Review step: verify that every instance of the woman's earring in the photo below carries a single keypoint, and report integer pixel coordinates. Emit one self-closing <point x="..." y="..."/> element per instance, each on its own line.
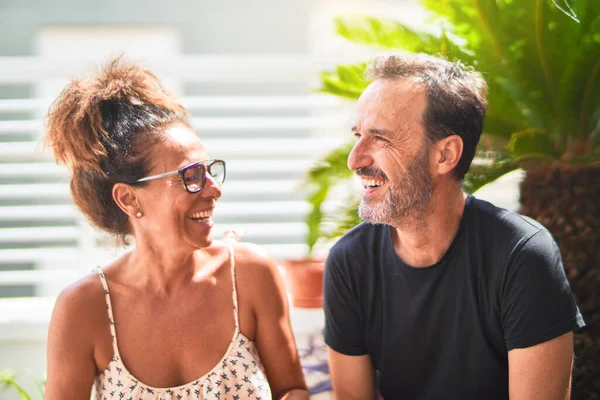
<point x="138" y="214"/>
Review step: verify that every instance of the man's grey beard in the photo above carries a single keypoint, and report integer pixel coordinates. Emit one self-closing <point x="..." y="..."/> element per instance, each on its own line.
<point x="406" y="198"/>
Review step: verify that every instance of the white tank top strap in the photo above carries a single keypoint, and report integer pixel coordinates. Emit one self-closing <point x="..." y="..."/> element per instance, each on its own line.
<point x="233" y="281"/>
<point x="230" y="238"/>
<point x="111" y="319"/>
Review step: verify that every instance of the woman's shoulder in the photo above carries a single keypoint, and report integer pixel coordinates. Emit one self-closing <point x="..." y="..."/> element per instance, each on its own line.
<point x="255" y="259"/>
<point x="82" y="295"/>
<point x="254" y="265"/>
<point x="262" y="280"/>
<point x="246" y="255"/>
<point x="80" y="310"/>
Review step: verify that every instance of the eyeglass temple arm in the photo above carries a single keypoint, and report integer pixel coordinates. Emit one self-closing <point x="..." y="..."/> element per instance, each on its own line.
<point x="149" y="178"/>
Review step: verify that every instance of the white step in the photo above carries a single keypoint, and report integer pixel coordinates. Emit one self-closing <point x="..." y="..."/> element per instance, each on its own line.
<point x="217" y="148"/>
<point x="230" y="188"/>
<point x="71" y="256"/>
<point x="40" y="169"/>
<point x="9" y="105"/>
<point x="65" y="233"/>
<point x="207" y="103"/>
<point x="209" y="68"/>
<point x="260" y="167"/>
<point x="262" y="230"/>
<point x="211" y="124"/>
<point x="39" y="277"/>
<point x="229" y="209"/>
<point x="266" y="123"/>
<point x="33" y="255"/>
<point x="39" y="234"/>
<point x="37" y="213"/>
<point x="37" y="190"/>
<point x="317" y="101"/>
<point x="20" y="126"/>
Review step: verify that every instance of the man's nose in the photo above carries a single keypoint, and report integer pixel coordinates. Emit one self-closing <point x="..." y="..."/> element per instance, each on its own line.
<point x="359" y="156"/>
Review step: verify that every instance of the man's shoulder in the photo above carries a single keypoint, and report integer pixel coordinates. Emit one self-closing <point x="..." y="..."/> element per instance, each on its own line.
<point x="501" y="224"/>
<point x="357" y="239"/>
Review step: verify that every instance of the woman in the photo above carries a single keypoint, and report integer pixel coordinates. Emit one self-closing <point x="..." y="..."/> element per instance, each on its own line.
<point x="182" y="316"/>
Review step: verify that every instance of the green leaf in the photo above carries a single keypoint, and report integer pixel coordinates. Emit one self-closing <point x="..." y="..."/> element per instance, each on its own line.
<point x="325" y="174"/>
<point x="383" y="34"/>
<point x="567" y="10"/>
<point x="332" y="167"/>
<point x="315" y="216"/>
<point x="531" y="143"/>
<point x="480" y="175"/>
<point x="8" y="381"/>
<point x="388" y="34"/>
<point x="347" y="81"/>
<point x="505" y="114"/>
<point x="345" y="218"/>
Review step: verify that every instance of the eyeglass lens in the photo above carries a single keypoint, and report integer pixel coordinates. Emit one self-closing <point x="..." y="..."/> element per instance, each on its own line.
<point x="195" y="176"/>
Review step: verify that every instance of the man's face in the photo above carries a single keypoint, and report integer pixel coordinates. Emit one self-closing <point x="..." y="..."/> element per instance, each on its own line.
<point x="391" y="154"/>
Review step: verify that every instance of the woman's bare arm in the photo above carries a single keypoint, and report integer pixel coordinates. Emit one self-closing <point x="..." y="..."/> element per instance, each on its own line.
<point x="71" y="366"/>
<point x="274" y="337"/>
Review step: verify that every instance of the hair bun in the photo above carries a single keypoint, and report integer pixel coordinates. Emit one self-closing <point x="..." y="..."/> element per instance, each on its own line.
<point x="75" y="126"/>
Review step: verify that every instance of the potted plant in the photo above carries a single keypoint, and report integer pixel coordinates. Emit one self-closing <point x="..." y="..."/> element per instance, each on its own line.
<point x="304" y="276"/>
<point x="303" y="279"/>
<point x="541" y="60"/>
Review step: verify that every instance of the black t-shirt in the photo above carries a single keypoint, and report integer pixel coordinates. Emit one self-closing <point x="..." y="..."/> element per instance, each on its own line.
<point x="444" y="331"/>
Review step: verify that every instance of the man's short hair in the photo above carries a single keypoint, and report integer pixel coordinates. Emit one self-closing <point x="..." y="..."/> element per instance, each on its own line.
<point x="456" y="97"/>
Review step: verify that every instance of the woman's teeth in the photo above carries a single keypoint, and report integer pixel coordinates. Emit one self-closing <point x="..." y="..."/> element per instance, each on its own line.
<point x="202" y="214"/>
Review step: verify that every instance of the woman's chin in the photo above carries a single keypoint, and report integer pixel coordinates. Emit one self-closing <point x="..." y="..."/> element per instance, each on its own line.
<point x="202" y="242"/>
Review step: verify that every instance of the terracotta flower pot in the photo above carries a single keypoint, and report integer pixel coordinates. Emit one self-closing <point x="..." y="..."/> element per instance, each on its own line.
<point x="304" y="281"/>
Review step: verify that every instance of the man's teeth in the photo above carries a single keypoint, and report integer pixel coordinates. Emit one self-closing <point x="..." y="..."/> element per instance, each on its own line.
<point x="372" y="182"/>
<point x="202" y="214"/>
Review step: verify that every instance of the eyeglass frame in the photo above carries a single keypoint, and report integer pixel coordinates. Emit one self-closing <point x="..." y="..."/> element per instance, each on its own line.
<point x="182" y="170"/>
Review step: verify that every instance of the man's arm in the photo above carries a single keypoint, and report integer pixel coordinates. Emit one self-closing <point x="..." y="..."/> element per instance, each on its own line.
<point x="539" y="315"/>
<point x="542" y="371"/>
<point x="352" y="376"/>
<point x="351" y="370"/>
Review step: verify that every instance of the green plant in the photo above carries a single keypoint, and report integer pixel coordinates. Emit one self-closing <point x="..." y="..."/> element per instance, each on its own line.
<point x="541" y="61"/>
<point x="542" y="66"/>
<point x="8" y="380"/>
<point x="320" y="179"/>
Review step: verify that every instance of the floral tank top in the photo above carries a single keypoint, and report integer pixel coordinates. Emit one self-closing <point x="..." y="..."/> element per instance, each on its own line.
<point x="239" y="375"/>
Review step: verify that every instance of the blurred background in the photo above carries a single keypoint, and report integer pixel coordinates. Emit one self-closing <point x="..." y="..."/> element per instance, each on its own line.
<point x="246" y="70"/>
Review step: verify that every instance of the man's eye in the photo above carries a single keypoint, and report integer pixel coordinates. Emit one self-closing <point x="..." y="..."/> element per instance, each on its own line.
<point x="381" y="139"/>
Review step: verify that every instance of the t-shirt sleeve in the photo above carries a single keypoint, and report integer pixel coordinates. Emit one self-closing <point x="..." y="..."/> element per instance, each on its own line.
<point x="344" y="331"/>
<point x="536" y="302"/>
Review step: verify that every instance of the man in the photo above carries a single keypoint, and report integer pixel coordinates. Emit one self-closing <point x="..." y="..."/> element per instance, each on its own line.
<point x="440" y="295"/>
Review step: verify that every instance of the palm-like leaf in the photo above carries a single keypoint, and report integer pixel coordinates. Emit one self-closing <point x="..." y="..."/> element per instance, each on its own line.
<point x="347" y="81"/>
<point x="320" y="178"/>
<point x="531" y="143"/>
<point x="344" y="219"/>
<point x="482" y="174"/>
<point x="541" y="63"/>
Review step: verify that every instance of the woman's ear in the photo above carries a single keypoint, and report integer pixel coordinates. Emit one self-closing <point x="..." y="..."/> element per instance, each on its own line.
<point x="125" y="197"/>
<point x="448" y="150"/>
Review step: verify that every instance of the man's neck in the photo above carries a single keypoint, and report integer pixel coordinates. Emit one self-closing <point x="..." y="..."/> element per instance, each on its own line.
<point x="423" y="238"/>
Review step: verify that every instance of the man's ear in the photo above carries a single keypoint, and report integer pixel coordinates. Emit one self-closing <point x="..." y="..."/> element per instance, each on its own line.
<point x="126" y="199"/>
<point x="448" y="152"/>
